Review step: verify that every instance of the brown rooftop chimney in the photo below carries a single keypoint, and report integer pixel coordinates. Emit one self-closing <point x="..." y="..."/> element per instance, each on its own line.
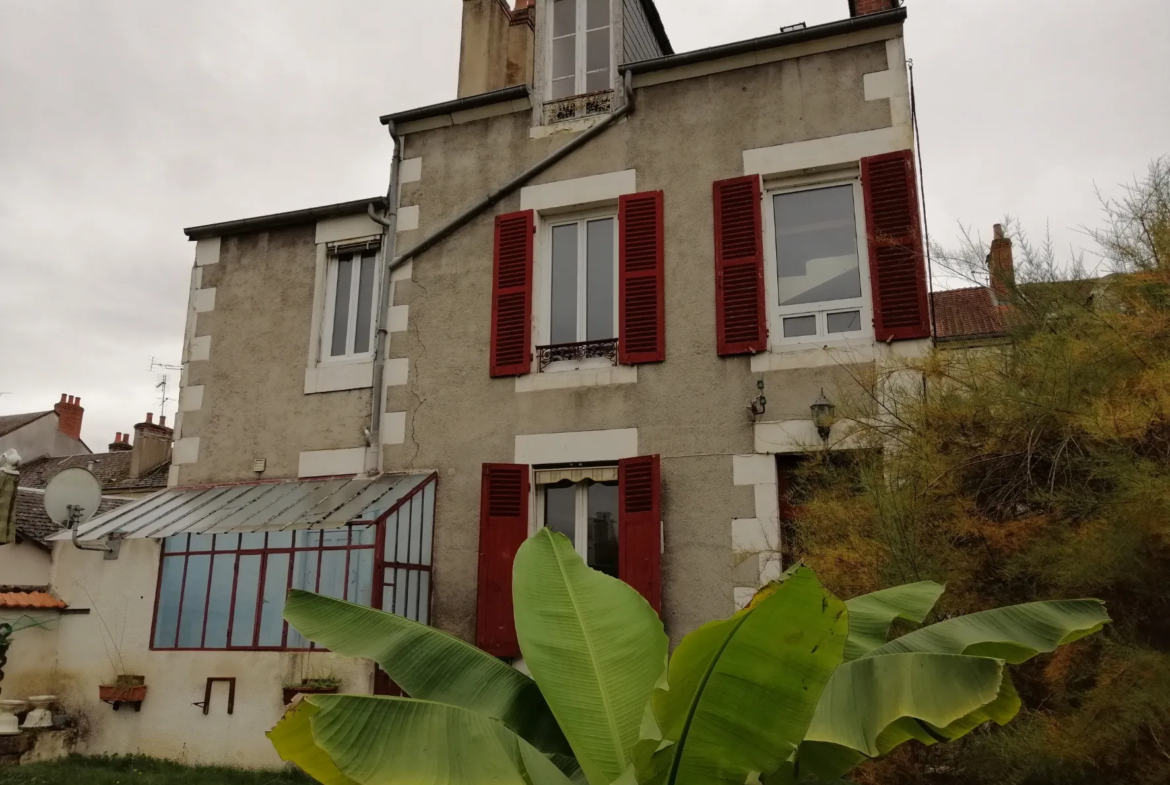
<point x="496" y="45"/>
<point x="1001" y="267"/>
<point x="152" y="446"/>
<point x="866" y="7"/>
<point x="69" y="413"/>
<point x="121" y="442"/>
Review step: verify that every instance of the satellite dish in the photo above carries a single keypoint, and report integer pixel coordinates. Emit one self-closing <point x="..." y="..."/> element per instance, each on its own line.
<point x="75" y="487"/>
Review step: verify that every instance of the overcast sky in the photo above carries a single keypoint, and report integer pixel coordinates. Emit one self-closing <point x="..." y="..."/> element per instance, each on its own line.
<point x="123" y="121"/>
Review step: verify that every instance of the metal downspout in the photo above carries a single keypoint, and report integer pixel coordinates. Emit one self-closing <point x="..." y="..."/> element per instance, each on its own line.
<point x="449" y="228"/>
<point x="389" y="222"/>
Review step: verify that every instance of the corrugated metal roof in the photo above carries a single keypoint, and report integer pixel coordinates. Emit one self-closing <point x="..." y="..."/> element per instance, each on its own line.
<point x="250" y="507"/>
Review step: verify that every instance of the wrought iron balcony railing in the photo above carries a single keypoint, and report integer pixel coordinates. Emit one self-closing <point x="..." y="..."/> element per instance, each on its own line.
<point x="586" y="350"/>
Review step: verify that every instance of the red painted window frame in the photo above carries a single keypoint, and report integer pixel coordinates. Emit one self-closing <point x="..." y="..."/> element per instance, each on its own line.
<point x="377" y="577"/>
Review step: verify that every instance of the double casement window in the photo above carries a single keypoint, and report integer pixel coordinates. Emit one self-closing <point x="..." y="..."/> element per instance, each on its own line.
<point x="227" y="591"/>
<point x="601" y="288"/>
<point x="580" y="51"/>
<point x="841" y="260"/>
<point x="611" y="514"/>
<point x="348" y="324"/>
<point x="815" y="253"/>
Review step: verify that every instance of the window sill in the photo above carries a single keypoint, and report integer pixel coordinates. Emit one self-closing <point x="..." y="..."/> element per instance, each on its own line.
<point x="572" y="377"/>
<point x="338" y="376"/>
<point x="784" y="357"/>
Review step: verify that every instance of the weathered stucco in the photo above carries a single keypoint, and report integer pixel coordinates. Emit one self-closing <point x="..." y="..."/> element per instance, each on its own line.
<point x="23" y="564"/>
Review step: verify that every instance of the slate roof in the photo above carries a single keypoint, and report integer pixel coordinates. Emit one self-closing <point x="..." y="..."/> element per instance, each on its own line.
<point x="112" y="470"/>
<point x="34" y="523"/>
<point x="11" y="422"/>
<point x="967" y="313"/>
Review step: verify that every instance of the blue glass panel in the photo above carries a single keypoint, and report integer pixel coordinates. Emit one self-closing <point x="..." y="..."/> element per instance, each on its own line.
<point x="275" y="588"/>
<point x="305" y="570"/>
<point x="252" y="541"/>
<point x="247" y="588"/>
<point x="219" y="602"/>
<point x="194" y="602"/>
<point x="280" y="540"/>
<point x="361" y="577"/>
<point x="227" y="542"/>
<point x="167" y="622"/>
<point x="175" y="544"/>
<point x="200" y="542"/>
<point x="332" y="582"/>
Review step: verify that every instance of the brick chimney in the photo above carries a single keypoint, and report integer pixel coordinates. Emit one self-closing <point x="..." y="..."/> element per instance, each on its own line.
<point x="69" y="414"/>
<point x="496" y="46"/>
<point x="1001" y="268"/>
<point x="121" y="442"/>
<point x="152" y="446"/>
<point x="864" y="7"/>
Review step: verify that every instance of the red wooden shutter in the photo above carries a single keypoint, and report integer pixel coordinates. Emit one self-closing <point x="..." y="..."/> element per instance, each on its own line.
<point x="511" y="352"/>
<point x="503" y="527"/>
<point x="739" y="267"/>
<point x="641" y="308"/>
<point x="640" y="528"/>
<point x="897" y="269"/>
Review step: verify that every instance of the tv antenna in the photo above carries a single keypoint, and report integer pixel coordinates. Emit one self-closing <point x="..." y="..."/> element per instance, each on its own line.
<point x="163" y="382"/>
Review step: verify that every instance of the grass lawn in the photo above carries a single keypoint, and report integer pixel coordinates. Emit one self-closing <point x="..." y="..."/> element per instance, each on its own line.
<point x="139" y="770"/>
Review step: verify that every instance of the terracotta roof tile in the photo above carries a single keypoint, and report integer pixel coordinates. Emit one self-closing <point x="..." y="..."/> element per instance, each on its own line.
<point x="967" y="313"/>
<point x="10" y="422"/>
<point x="29" y="599"/>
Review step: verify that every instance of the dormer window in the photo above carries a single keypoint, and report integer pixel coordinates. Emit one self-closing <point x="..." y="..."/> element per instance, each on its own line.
<point x="581" y="51"/>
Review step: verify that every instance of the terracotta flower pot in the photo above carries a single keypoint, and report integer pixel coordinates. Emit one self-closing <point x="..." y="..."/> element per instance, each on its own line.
<point x="117" y="694"/>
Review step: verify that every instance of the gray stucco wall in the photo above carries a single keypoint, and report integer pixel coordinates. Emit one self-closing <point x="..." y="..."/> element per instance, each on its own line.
<point x="41" y="438"/>
<point x="639" y="42"/>
<point x="691" y="409"/>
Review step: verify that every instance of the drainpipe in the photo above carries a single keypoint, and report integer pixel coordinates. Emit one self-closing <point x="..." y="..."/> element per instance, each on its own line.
<point x="449" y="228"/>
<point x="389" y="222"/>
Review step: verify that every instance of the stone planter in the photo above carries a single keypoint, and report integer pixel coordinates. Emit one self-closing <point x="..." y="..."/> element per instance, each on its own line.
<point x="8" y="723"/>
<point x="40" y="716"/>
<point x="288" y="693"/>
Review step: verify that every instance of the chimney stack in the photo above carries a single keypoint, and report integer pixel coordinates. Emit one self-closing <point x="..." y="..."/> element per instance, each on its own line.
<point x="1001" y="268"/>
<point x="121" y="442"/>
<point x="866" y="7"/>
<point x="496" y="45"/>
<point x="152" y="446"/>
<point x="69" y="413"/>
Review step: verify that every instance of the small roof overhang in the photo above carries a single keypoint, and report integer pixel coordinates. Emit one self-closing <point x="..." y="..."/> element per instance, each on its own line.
<point x="253" y="507"/>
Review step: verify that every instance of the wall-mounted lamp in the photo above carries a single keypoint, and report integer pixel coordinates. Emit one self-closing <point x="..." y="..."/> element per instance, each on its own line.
<point x="823" y="415"/>
<point x="760" y="403"/>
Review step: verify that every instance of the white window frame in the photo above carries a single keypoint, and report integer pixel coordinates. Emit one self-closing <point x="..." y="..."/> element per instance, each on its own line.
<point x="580" y="521"/>
<point x="326" y="348"/>
<point x="543" y="332"/>
<point x="777" y="313"/>
<point x="581" y="32"/>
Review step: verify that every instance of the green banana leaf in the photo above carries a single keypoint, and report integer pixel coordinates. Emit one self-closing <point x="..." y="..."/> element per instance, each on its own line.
<point x="871" y="615"/>
<point x="594" y="646"/>
<point x="429" y="664"/>
<point x="369" y="740"/>
<point x="742" y="691"/>
<point x="873" y="704"/>
<point x="1015" y="633"/>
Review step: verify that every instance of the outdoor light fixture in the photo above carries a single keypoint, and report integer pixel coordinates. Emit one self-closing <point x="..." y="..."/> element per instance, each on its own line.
<point x="760" y="404"/>
<point x="823" y="414"/>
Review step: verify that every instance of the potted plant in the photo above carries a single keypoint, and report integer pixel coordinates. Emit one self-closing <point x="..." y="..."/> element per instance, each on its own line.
<point x="319" y="686"/>
<point x="127" y="688"/>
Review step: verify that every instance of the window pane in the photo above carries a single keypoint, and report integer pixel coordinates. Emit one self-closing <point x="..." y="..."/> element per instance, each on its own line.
<point x="335" y="537"/>
<point x="252" y="541"/>
<point x="332" y="582"/>
<point x="361" y="577"/>
<point x="597" y="80"/>
<point x="560" y="509"/>
<point x="416" y="529"/>
<point x="816" y="246"/>
<point x="305" y="570"/>
<point x="603" y="527"/>
<point x="341" y="307"/>
<point x="176" y="543"/>
<point x="280" y="539"/>
<point x="390" y="546"/>
<point x="597" y="49"/>
<point x="223" y="573"/>
<point x="564" y="57"/>
<point x="364" y="535"/>
<point x="597" y="13"/>
<point x="365" y="304"/>
<point x="563" y="324"/>
<point x="424" y="611"/>
<point x="844" y="322"/>
<point x="167" y="622"/>
<point x="200" y="542"/>
<point x="599" y="324"/>
<point x="194" y="602"/>
<point x="565" y="87"/>
<point x="800" y="326"/>
<point x="247" y="587"/>
<point x="275" y="588"/>
<point x="402" y="591"/>
<point x="227" y="542"/>
<point x="564" y="17"/>
<point x="428" y="534"/>
<point x="306" y="538"/>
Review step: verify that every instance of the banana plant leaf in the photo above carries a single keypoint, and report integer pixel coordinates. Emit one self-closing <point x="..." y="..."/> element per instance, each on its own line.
<point x="742" y="691"/>
<point x="429" y="664"/>
<point x="595" y="647"/>
<point x="873" y="704"/>
<point x="871" y="615"/>
<point x="368" y="740"/>
<point x="1015" y="633"/>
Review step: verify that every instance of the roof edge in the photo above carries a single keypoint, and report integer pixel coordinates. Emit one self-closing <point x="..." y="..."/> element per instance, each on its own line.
<point x="656" y="26"/>
<point x="840" y="27"/>
<point x="457" y="105"/>
<point x="277" y="220"/>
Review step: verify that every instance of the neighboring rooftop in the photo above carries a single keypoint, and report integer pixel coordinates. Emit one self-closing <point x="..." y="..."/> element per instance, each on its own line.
<point x="34" y="523"/>
<point x="11" y="422"/>
<point x="967" y="313"/>
<point x="112" y="470"/>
